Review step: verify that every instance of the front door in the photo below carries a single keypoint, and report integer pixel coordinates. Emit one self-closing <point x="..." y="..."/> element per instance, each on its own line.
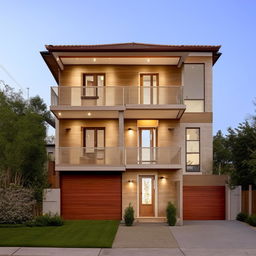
<point x="147" y="196"/>
<point x="149" y="88"/>
<point x="147" y="145"/>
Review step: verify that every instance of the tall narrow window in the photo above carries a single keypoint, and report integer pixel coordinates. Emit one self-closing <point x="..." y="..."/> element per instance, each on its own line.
<point x="94" y="138"/>
<point x="149" y="90"/>
<point x="92" y="85"/>
<point x="194" y="83"/>
<point x="193" y="150"/>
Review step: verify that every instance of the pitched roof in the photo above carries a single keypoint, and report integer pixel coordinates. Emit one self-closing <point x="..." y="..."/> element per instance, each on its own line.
<point x="132" y="47"/>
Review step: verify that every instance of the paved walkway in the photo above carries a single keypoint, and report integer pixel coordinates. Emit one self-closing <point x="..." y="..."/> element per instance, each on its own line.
<point x="145" y="235"/>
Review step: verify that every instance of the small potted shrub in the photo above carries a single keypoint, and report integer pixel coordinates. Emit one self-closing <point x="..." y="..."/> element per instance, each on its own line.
<point x="129" y="215"/>
<point x="252" y="220"/>
<point x="242" y="216"/>
<point x="171" y="214"/>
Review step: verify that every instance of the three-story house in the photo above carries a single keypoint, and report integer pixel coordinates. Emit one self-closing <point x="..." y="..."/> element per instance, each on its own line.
<point x="134" y="125"/>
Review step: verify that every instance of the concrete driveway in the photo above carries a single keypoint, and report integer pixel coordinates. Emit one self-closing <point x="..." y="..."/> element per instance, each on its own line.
<point x="215" y="238"/>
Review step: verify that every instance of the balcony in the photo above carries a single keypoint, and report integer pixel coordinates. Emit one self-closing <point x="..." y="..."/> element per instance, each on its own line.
<point x="116" y="158"/>
<point x="165" y="99"/>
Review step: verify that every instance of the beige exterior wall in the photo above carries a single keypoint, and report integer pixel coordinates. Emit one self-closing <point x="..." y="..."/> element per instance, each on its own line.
<point x="71" y="135"/>
<point x="167" y="189"/>
<point x="206" y="147"/>
<point x="120" y="75"/>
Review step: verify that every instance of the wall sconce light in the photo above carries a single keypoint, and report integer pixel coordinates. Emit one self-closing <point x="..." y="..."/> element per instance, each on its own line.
<point x="130" y="181"/>
<point x="162" y="178"/>
<point x="89" y="114"/>
<point x="129" y="129"/>
<point x="67" y="129"/>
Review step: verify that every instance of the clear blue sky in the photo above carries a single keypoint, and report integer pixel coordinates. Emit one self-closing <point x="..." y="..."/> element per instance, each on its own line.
<point x="26" y="26"/>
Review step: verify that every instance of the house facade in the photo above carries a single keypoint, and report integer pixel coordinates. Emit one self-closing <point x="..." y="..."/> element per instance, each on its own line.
<point x="134" y="125"/>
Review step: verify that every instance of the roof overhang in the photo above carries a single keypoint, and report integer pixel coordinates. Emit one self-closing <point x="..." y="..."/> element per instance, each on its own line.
<point x="57" y="56"/>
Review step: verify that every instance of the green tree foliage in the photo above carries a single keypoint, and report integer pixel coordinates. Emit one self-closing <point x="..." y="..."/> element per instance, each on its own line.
<point x="22" y="140"/>
<point x="235" y="153"/>
<point x="222" y="154"/>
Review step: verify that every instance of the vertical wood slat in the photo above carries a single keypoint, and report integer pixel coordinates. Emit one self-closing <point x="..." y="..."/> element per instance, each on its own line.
<point x="204" y="202"/>
<point x="91" y="196"/>
<point x="253" y="201"/>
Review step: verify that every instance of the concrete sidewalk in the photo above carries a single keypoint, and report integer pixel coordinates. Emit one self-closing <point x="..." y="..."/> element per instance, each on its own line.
<point x="29" y="251"/>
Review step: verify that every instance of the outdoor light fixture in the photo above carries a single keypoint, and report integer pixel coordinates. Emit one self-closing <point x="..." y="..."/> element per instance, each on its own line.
<point x="94" y="59"/>
<point x="162" y="178"/>
<point x="148" y="60"/>
<point x="59" y="113"/>
<point x="130" y="181"/>
<point x="129" y="129"/>
<point x="89" y="113"/>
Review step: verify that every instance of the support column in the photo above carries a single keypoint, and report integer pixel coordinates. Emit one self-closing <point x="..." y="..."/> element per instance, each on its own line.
<point x="121" y="129"/>
<point x="57" y="151"/>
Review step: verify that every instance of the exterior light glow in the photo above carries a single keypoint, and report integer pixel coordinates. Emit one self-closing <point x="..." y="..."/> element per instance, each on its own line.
<point x="148" y="60"/>
<point x="59" y="113"/>
<point x="129" y="129"/>
<point x="94" y="59"/>
<point x="130" y="181"/>
<point x="89" y="113"/>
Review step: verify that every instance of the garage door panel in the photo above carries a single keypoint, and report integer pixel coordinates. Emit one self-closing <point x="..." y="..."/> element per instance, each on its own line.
<point x="204" y="202"/>
<point x="91" y="196"/>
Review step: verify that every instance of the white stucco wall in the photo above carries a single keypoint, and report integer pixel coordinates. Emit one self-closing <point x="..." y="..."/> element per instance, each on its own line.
<point x="51" y="201"/>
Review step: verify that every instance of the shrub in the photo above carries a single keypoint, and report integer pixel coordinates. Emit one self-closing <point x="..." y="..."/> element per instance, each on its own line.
<point x="252" y="220"/>
<point x="242" y="216"/>
<point x="129" y="215"/>
<point x="171" y="214"/>
<point x="16" y="205"/>
<point x="46" y="220"/>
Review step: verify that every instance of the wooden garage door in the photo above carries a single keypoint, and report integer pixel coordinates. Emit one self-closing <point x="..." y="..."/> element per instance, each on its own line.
<point x="91" y="196"/>
<point x="204" y="202"/>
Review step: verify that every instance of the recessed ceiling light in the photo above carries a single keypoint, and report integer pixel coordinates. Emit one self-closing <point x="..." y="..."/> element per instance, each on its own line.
<point x="59" y="113"/>
<point x="94" y="59"/>
<point x="148" y="60"/>
<point x="89" y="113"/>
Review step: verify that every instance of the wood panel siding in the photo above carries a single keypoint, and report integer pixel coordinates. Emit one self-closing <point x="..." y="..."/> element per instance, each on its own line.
<point x="120" y="75"/>
<point x="91" y="196"/>
<point x="204" y="202"/>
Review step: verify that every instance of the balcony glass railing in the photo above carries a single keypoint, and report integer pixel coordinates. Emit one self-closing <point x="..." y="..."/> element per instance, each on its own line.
<point x="117" y="156"/>
<point x="152" y="155"/>
<point x="115" y="95"/>
<point x="81" y="156"/>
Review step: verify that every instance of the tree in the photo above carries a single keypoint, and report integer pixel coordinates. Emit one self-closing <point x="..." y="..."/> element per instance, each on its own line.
<point x="235" y="153"/>
<point x="222" y="163"/>
<point x="242" y="141"/>
<point x="22" y="140"/>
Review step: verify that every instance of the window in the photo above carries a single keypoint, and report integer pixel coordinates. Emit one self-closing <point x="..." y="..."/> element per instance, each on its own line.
<point x="194" y="105"/>
<point x="149" y="92"/>
<point x="194" y="83"/>
<point x="193" y="150"/>
<point x="92" y="85"/>
<point x="94" y="139"/>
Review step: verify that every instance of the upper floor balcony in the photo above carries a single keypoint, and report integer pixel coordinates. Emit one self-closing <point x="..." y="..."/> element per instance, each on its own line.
<point x="168" y="99"/>
<point x="117" y="158"/>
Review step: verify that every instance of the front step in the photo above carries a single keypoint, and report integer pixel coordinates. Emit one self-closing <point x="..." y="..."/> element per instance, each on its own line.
<point x="150" y="219"/>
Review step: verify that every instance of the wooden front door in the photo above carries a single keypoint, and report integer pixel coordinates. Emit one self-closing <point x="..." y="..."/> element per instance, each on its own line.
<point x="147" y="196"/>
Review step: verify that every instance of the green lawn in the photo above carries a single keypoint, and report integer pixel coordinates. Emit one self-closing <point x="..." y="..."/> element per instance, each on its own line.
<point x="80" y="233"/>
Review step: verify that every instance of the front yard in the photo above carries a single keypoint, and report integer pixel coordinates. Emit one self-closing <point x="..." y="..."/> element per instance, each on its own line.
<point x="81" y="233"/>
